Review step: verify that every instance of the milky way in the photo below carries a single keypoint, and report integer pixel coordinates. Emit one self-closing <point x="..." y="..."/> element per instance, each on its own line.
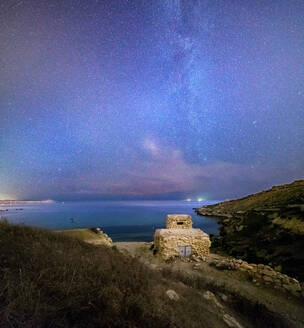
<point x="150" y="99"/>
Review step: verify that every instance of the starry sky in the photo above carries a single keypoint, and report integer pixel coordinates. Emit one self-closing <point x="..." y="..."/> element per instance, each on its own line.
<point x="162" y="99"/>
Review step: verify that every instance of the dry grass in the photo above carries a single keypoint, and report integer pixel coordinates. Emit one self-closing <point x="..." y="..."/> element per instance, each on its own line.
<point x="245" y="305"/>
<point x="257" y="305"/>
<point x="292" y="193"/>
<point x="295" y="225"/>
<point x="82" y="234"/>
<point x="50" y="280"/>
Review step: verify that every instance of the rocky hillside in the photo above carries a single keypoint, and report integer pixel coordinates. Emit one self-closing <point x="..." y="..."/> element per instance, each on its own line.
<point x="267" y="227"/>
<point x="50" y="279"/>
<point x="289" y="195"/>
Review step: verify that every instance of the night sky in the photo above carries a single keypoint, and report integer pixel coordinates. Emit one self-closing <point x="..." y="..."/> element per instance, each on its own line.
<point x="162" y="99"/>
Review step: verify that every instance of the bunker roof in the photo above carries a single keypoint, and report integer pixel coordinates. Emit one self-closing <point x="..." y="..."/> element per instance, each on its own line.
<point x="181" y="232"/>
<point x="179" y="221"/>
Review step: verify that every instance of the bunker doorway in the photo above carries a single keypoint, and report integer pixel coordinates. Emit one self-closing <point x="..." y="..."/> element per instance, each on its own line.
<point x="185" y="251"/>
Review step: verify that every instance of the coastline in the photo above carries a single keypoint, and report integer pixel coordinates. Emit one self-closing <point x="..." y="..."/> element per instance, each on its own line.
<point x="266" y="228"/>
<point x="9" y="202"/>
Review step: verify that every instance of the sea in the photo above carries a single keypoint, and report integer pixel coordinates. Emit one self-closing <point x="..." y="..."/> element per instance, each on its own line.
<point x="121" y="220"/>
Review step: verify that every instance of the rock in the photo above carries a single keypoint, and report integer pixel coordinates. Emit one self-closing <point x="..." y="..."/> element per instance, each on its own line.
<point x="195" y="259"/>
<point x="268" y="272"/>
<point x="209" y="296"/>
<point x="258" y="276"/>
<point x="294" y="281"/>
<point x="243" y="269"/>
<point x="293" y="288"/>
<point x="172" y="295"/>
<point x="196" y="266"/>
<point x="285" y="279"/>
<point x="96" y="230"/>
<point x="213" y="262"/>
<point x="224" y="297"/>
<point x="246" y="266"/>
<point x="267" y="278"/>
<point x="223" y="265"/>
<point x="231" y="322"/>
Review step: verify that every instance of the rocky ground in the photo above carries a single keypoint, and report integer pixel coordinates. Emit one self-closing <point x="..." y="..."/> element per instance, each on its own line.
<point x="236" y="289"/>
<point x="229" y="280"/>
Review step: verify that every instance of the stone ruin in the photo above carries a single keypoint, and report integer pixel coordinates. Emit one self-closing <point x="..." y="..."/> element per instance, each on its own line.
<point x="180" y="239"/>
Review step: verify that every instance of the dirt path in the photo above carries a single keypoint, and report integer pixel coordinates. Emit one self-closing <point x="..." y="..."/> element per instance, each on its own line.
<point x="230" y="282"/>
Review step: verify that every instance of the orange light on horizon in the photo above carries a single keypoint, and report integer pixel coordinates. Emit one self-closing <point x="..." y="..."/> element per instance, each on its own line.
<point x="6" y="197"/>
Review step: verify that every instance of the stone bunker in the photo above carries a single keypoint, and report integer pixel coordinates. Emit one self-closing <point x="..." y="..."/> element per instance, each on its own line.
<point x="180" y="239"/>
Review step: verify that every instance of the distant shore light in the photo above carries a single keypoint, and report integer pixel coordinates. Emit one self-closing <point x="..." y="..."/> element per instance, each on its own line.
<point x="6" y="197"/>
<point x="188" y="199"/>
<point x="200" y="199"/>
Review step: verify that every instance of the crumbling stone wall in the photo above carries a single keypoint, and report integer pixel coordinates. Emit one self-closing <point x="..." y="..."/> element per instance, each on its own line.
<point x="178" y="221"/>
<point x="263" y="274"/>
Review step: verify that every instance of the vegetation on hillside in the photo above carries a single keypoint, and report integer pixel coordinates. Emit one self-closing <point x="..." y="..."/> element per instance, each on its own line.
<point x="51" y="280"/>
<point x="276" y="197"/>
<point x="267" y="228"/>
<point x="48" y="279"/>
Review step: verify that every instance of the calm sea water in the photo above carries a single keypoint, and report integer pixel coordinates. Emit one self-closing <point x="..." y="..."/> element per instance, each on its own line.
<point x="121" y="220"/>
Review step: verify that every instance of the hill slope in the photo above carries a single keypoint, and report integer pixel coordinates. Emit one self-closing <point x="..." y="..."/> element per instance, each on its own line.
<point x="50" y="280"/>
<point x="267" y="227"/>
<point x="276" y="197"/>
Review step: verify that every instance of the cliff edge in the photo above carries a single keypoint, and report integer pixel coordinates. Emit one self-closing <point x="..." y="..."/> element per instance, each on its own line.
<point x="267" y="227"/>
<point x="277" y="197"/>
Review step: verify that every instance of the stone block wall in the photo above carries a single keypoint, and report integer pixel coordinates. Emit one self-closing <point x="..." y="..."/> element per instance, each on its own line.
<point x="263" y="274"/>
<point x="168" y="246"/>
<point x="178" y="221"/>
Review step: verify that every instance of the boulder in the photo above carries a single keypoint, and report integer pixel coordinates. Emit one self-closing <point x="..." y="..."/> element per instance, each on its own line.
<point x="209" y="296"/>
<point x="172" y="295"/>
<point x="231" y="322"/>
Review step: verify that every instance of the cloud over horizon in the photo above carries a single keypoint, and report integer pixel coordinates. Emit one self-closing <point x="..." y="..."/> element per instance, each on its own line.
<point x="165" y="172"/>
